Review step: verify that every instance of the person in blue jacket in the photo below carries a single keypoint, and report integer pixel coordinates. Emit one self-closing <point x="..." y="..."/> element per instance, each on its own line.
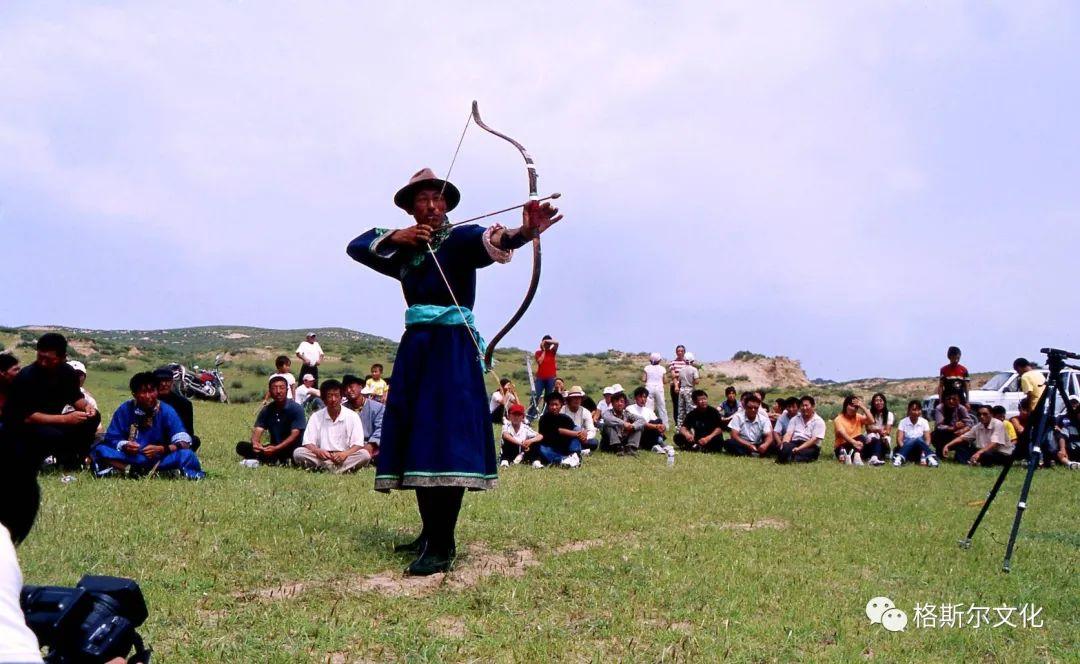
<point x="437" y="437"/>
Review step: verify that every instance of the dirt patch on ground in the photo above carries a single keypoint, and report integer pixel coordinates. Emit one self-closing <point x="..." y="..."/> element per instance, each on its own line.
<point x="134" y="352"/>
<point x="478" y="563"/>
<point x="450" y="626"/>
<point x="236" y="335"/>
<point x="767" y="522"/>
<point x="84" y="347"/>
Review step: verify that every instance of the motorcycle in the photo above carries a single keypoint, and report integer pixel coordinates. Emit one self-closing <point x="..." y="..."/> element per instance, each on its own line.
<point x="200" y="383"/>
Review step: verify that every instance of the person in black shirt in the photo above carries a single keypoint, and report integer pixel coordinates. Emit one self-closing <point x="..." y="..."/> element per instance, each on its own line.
<point x="560" y="444"/>
<point x="179" y="403"/>
<point x="701" y="430"/>
<point x="283" y="419"/>
<point x="46" y="413"/>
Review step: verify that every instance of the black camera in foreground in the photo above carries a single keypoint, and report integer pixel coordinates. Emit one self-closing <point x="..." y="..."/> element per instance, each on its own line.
<point x="93" y="622"/>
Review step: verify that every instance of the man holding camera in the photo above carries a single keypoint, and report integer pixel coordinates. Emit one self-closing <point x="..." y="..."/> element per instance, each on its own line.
<point x="546" y="371"/>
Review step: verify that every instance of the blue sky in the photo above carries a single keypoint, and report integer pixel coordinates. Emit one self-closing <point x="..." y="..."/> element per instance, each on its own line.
<point x="856" y="185"/>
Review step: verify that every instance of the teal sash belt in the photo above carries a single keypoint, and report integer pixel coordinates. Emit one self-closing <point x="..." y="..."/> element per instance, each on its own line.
<point x="433" y="314"/>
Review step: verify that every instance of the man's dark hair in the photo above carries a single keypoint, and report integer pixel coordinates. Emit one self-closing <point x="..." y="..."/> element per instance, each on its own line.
<point x="640" y="392"/>
<point x="807" y="397"/>
<point x="554" y="396"/>
<point x="7" y="360"/>
<point x="349" y="379"/>
<point x="1021" y="362"/>
<point x="329" y="384"/>
<point x="985" y="407"/>
<point x="281" y="361"/>
<point x="914" y="403"/>
<point x="950" y="393"/>
<point x="377" y="366"/>
<point x="730" y="389"/>
<point x="698" y="393"/>
<point x="503" y="382"/>
<point x="618" y="396"/>
<point x="278" y="378"/>
<point x="141" y="380"/>
<point x="546" y="337"/>
<point x="953" y="350"/>
<point x="998" y="410"/>
<point x="791" y="401"/>
<point x="750" y="396"/>
<point x="53" y="341"/>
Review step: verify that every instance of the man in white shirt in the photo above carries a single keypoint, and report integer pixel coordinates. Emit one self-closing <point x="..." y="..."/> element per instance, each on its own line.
<point x="652" y="436"/>
<point x="750" y="429"/>
<point x="311" y="354"/>
<point x="582" y="418"/>
<point x="307" y="395"/>
<point x="334" y="437"/>
<point x="984" y="444"/>
<point x="802" y="442"/>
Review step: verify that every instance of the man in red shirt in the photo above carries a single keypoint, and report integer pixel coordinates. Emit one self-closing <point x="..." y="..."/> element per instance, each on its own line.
<point x="545" y="373"/>
<point x="953" y="375"/>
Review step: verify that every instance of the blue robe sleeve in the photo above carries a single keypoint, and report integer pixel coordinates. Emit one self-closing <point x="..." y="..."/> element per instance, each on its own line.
<point x="118" y="426"/>
<point x="371" y="250"/>
<point x="471" y="237"/>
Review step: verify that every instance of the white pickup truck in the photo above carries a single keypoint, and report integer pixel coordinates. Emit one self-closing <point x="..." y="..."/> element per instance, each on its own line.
<point x="1003" y="389"/>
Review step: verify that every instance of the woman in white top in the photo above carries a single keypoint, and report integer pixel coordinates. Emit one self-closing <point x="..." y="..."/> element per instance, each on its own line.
<point x="501" y="400"/>
<point x="914" y="438"/>
<point x="881" y="425"/>
<point x="654" y="376"/>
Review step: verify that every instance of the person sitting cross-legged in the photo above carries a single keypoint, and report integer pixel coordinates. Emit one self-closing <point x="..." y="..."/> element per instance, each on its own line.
<point x="560" y="444"/>
<point x="146" y="435"/>
<point x="913" y="439"/>
<point x="584" y="424"/>
<point x="283" y="420"/>
<point x="180" y="403"/>
<point x="802" y="442"/>
<point x="852" y="446"/>
<point x="517" y="437"/>
<point x="652" y="434"/>
<point x="621" y="429"/>
<point x="360" y="398"/>
<point x="984" y="444"/>
<point x="750" y="430"/>
<point x="951" y="420"/>
<point x="334" y="437"/>
<point x="701" y="430"/>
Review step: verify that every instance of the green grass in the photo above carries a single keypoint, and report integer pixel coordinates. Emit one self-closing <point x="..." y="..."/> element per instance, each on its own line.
<point x="658" y="572"/>
<point x="665" y="577"/>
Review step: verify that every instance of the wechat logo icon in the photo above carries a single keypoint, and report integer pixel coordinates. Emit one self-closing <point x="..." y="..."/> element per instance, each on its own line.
<point x="882" y="611"/>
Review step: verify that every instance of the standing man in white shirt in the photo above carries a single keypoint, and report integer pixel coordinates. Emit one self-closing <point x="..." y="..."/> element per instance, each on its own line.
<point x="311" y="354"/>
<point x="334" y="437"/>
<point x="655" y="375"/>
<point x="802" y="442"/>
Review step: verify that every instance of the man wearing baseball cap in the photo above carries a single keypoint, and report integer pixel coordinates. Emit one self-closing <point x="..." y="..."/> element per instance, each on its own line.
<point x="311" y="355"/>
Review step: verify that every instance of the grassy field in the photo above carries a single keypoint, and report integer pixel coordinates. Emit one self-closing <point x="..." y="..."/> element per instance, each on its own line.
<point x="622" y="559"/>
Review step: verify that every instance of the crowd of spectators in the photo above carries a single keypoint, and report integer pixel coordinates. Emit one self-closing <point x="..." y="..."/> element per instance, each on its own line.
<point x="48" y="416"/>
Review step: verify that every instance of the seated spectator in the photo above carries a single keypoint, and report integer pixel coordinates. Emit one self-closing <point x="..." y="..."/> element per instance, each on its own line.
<point x="728" y="407"/>
<point x="984" y="444"/>
<point x="998" y="413"/>
<point x="913" y="441"/>
<point x="146" y="435"/>
<point x="284" y="370"/>
<point x="46" y="411"/>
<point x="180" y="403"/>
<point x="749" y="429"/>
<point x="517" y="437"/>
<point x="283" y="420"/>
<point x="560" y="387"/>
<point x="687" y="380"/>
<point x="334" y="437"/>
<point x="80" y="371"/>
<point x="953" y="377"/>
<point x="851" y="444"/>
<point x="582" y="419"/>
<point x="501" y="400"/>
<point x="620" y="429"/>
<point x="377" y="384"/>
<point x="605" y="403"/>
<point x="700" y="430"/>
<point x="1068" y="438"/>
<point x="951" y="420"/>
<point x="879" y="428"/>
<point x="783" y="421"/>
<point x="360" y="399"/>
<point x="802" y="441"/>
<point x="778" y="408"/>
<point x="654" y="376"/>
<point x="308" y="396"/>
<point x="652" y="435"/>
<point x="560" y="444"/>
<point x="9" y="368"/>
<point x="1019" y="423"/>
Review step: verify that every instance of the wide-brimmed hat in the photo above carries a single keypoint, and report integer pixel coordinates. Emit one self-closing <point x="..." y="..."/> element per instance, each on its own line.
<point x="425" y="178"/>
<point x="575" y="391"/>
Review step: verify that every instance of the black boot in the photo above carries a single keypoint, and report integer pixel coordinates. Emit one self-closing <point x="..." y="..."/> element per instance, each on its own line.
<point x="416" y="546"/>
<point x="433" y="559"/>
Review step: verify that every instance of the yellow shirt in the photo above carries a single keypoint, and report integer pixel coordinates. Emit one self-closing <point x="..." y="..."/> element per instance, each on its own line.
<point x="1032" y="384"/>
<point x="377" y="387"/>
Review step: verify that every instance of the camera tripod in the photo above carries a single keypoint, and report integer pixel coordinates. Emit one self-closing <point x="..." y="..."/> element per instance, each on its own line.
<point x="1040" y="426"/>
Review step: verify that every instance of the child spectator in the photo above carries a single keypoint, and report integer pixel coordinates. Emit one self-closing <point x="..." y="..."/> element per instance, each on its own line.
<point x="284" y="369"/>
<point x="953" y="376"/>
<point x="517" y="437"/>
<point x="377" y="384"/>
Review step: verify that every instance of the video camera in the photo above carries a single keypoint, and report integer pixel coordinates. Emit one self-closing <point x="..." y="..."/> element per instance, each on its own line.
<point x="93" y="622"/>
